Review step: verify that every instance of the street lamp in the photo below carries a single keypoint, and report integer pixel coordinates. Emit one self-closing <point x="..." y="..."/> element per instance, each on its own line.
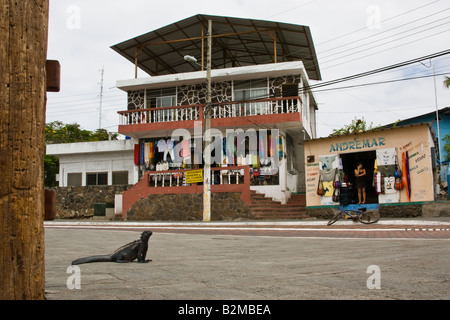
<point x="193" y="60"/>
<point x="207" y="138"/>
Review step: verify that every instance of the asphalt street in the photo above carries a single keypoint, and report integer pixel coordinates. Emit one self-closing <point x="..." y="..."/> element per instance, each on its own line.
<point x="252" y="261"/>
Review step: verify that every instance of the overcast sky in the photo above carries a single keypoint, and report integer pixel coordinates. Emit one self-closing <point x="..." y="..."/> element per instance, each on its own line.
<point x="350" y="36"/>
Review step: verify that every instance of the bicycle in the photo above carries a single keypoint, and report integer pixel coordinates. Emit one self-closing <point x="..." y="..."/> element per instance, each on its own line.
<point x="360" y="214"/>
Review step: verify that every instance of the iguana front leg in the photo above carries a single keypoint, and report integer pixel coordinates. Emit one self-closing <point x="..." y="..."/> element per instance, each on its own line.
<point x="142" y="253"/>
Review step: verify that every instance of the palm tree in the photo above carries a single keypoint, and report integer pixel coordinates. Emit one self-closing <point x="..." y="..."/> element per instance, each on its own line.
<point x="447" y="82"/>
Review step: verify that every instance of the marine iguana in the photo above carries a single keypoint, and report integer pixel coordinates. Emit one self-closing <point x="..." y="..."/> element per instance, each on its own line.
<point x="127" y="253"/>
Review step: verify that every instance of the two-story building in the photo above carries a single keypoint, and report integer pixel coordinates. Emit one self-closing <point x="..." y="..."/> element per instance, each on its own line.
<point x="261" y="111"/>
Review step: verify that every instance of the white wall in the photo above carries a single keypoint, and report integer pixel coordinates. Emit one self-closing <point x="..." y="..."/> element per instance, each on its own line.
<point x="93" y="157"/>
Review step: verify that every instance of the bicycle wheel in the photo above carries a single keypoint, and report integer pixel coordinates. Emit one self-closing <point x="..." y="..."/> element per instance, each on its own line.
<point x="369" y="217"/>
<point x="338" y="215"/>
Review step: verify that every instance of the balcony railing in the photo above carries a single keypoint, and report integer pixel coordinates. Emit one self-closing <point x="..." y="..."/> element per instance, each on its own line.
<point x="218" y="110"/>
<point x="176" y="178"/>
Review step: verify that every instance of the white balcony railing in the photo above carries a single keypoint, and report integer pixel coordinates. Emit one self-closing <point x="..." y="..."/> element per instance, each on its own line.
<point x="177" y="178"/>
<point x="220" y="110"/>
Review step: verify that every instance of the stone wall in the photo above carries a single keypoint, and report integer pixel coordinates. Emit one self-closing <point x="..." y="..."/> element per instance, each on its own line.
<point x="78" y="202"/>
<point x="414" y="210"/>
<point x="189" y="207"/>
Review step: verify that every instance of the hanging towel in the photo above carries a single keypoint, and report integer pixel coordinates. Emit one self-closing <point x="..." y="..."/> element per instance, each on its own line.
<point x="137" y="151"/>
<point x="280" y="148"/>
<point x="142" y="153"/>
<point x="261" y="146"/>
<point x="152" y="151"/>
<point x="147" y="154"/>
<point x="269" y="153"/>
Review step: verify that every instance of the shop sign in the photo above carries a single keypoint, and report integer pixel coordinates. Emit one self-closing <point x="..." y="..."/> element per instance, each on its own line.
<point x="357" y="144"/>
<point x="194" y="176"/>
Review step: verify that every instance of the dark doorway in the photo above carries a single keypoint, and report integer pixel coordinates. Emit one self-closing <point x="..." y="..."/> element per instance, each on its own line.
<point x="289" y="90"/>
<point x="367" y="158"/>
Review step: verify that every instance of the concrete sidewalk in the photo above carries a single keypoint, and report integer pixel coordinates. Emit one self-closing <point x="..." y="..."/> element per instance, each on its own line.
<point x="214" y="266"/>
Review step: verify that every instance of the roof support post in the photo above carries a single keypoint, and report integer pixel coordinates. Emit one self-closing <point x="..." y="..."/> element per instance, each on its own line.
<point x="203" y="48"/>
<point x="136" y="53"/>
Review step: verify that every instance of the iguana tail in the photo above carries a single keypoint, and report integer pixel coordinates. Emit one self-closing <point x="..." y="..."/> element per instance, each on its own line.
<point x="104" y="258"/>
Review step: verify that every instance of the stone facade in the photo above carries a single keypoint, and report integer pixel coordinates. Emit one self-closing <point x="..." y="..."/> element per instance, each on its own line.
<point x="189" y="207"/>
<point x="78" y="202"/>
<point x="221" y="92"/>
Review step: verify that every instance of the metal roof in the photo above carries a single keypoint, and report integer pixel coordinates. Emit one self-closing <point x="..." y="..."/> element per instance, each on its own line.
<point x="236" y="42"/>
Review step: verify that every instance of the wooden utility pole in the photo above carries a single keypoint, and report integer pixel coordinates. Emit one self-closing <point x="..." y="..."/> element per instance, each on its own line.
<point x="207" y="165"/>
<point x="23" y="53"/>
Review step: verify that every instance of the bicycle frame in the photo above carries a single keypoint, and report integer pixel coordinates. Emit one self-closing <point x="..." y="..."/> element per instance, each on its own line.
<point x="360" y="214"/>
<point x="357" y="212"/>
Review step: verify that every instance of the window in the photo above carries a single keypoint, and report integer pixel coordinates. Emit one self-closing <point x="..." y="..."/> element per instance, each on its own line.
<point x="74" y="179"/>
<point x="97" y="179"/>
<point x="162" y="98"/>
<point x="120" y="177"/>
<point x="252" y="90"/>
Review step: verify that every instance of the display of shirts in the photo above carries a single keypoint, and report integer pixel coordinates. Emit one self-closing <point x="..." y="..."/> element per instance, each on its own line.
<point x="386" y="157"/>
<point x="326" y="162"/>
<point x="161" y="145"/>
<point x="327" y="175"/>
<point x="389" y="183"/>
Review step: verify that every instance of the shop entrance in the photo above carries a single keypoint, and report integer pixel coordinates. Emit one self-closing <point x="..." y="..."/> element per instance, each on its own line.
<point x="349" y="162"/>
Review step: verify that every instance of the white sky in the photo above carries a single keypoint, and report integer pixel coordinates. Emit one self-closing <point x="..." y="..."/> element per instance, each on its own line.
<point x="346" y="35"/>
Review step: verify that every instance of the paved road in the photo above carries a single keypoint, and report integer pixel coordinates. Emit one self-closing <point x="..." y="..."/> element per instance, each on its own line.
<point x="412" y="228"/>
<point x="271" y="260"/>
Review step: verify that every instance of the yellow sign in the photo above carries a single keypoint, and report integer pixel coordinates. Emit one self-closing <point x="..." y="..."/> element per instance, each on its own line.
<point x="194" y="176"/>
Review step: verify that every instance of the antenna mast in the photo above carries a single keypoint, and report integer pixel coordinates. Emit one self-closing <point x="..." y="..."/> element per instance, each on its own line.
<point x="101" y="100"/>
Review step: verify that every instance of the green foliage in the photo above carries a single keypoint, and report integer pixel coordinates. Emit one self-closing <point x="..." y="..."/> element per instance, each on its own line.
<point x="357" y="126"/>
<point x="51" y="168"/>
<point x="447" y="82"/>
<point x="447" y="147"/>
<point x="58" y="132"/>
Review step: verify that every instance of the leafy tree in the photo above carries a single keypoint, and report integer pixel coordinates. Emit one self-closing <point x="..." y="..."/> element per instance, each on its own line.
<point x="357" y="126"/>
<point x="58" y="132"/>
<point x="447" y="82"/>
<point x="447" y="147"/>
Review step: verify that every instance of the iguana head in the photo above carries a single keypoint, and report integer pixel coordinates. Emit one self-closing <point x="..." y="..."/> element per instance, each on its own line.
<point x="146" y="234"/>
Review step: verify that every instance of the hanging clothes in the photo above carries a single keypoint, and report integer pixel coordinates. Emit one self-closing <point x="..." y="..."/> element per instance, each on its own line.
<point x="147" y="154"/>
<point x="262" y="148"/>
<point x="185" y="148"/>
<point x="142" y="154"/>
<point x="137" y="151"/>
<point x="161" y="145"/>
<point x="280" y="147"/>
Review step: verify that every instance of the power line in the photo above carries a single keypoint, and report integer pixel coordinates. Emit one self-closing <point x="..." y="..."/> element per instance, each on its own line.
<point x="361" y="29"/>
<point x="389" y="30"/>
<point x="384" y="50"/>
<point x="381" y="82"/>
<point x="376" y="41"/>
<point x="375" y="71"/>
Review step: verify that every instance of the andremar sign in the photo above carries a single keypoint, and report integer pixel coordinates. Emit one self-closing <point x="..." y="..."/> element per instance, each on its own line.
<point x="357" y="144"/>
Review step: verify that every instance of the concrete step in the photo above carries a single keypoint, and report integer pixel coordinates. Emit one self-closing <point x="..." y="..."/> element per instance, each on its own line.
<point x="266" y="208"/>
